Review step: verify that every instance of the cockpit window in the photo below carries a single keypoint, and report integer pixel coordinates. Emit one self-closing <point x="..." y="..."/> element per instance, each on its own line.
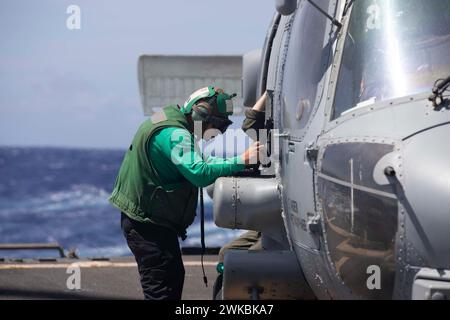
<point x="393" y="48"/>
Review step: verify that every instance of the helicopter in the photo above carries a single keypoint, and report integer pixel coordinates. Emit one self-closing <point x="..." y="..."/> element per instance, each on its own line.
<point x="353" y="202"/>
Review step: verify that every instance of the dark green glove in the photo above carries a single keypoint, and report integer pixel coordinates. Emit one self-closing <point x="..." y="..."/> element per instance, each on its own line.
<point x="253" y="120"/>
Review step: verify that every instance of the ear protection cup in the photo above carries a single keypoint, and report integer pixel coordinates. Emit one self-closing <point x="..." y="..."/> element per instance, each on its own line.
<point x="203" y="112"/>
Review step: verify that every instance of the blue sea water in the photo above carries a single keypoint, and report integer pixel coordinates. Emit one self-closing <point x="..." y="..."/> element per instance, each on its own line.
<point x="60" y="195"/>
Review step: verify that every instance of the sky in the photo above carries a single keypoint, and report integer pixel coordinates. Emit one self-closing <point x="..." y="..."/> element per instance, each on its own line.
<point x="78" y="88"/>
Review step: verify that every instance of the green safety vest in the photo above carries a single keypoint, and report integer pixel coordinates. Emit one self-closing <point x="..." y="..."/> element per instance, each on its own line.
<point x="138" y="191"/>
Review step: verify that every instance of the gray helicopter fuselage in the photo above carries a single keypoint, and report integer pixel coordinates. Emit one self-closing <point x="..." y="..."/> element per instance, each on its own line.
<point x="362" y="159"/>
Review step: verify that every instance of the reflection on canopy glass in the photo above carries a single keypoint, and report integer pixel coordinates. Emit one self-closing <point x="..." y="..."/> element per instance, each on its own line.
<point x="360" y="232"/>
<point x="393" y="48"/>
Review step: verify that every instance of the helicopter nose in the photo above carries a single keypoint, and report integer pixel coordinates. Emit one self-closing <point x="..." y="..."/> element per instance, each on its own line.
<point x="426" y="187"/>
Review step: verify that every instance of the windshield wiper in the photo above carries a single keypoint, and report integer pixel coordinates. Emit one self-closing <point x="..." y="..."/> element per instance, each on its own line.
<point x="333" y="20"/>
<point x="440" y="87"/>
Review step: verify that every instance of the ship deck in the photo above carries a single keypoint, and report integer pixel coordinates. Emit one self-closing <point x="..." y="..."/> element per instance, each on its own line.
<point x="115" y="278"/>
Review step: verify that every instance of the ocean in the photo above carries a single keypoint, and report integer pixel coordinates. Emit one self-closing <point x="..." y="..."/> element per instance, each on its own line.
<point x="60" y="195"/>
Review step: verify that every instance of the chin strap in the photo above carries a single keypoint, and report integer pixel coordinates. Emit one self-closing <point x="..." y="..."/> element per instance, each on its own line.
<point x="202" y="234"/>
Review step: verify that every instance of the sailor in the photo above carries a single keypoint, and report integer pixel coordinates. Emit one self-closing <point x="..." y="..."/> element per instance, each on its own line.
<point x="157" y="185"/>
<point x="250" y="240"/>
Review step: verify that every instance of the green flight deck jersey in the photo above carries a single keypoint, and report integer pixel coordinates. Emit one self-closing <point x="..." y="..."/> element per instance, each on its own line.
<point x="162" y="170"/>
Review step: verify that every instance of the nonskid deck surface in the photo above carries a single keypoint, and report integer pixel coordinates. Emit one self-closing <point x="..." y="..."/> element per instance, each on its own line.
<point x="115" y="278"/>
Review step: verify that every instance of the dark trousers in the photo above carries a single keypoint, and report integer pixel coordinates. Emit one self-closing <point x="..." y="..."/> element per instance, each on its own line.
<point x="158" y="256"/>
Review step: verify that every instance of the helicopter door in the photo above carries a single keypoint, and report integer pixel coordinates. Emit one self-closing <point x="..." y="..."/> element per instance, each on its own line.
<point x="305" y="64"/>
